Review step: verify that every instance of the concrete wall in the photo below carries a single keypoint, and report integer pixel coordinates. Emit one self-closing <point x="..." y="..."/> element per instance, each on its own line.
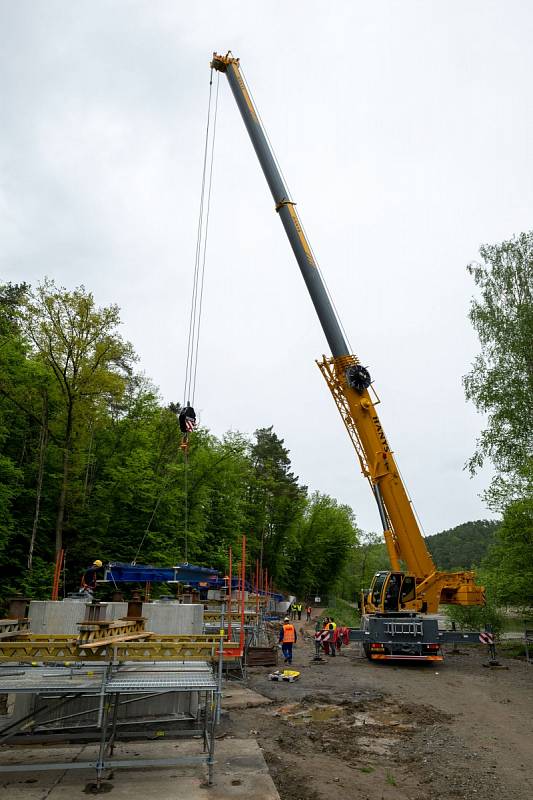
<point x="168" y="616"/>
<point x="49" y="616"/>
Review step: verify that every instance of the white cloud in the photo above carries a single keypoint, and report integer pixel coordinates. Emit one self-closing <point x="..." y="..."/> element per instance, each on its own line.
<point x="403" y="132"/>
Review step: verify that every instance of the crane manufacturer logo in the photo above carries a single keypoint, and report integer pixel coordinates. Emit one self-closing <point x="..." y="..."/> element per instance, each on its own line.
<point x="301" y="235"/>
<point x="245" y="93"/>
<point x="381" y="434"/>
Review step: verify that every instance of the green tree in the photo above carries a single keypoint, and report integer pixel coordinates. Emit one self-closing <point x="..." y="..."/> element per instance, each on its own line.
<point x="79" y="343"/>
<point x="325" y="535"/>
<point x="510" y="560"/>
<point x="90" y="460"/>
<point x="501" y="380"/>
<point x="129" y="503"/>
<point x="366" y="557"/>
<point x="23" y="414"/>
<point x="276" y="502"/>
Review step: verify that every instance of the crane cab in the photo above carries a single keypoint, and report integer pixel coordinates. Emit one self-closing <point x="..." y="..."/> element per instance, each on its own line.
<point x="389" y="592"/>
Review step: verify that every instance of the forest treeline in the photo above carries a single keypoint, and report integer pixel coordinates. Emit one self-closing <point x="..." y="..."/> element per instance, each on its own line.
<point x="464" y="547"/>
<point x="91" y="462"/>
<point x="91" y="459"/>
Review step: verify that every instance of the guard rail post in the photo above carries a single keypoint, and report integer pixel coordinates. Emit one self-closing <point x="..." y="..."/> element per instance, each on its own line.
<point x="220" y="664"/>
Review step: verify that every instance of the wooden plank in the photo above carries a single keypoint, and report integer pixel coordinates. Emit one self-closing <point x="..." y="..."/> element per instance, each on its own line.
<point x="93" y="644"/>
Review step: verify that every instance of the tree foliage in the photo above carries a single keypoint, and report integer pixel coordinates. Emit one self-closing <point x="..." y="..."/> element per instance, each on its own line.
<point x="509" y="564"/>
<point x="367" y="556"/>
<point x="321" y="546"/>
<point x="501" y="380"/>
<point x="501" y="386"/>
<point x="463" y="547"/>
<point x="90" y="460"/>
<point x="87" y="359"/>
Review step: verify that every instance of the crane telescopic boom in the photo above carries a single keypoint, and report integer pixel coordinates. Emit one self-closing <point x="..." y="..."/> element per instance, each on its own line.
<point x="421" y="587"/>
<point x="284" y="205"/>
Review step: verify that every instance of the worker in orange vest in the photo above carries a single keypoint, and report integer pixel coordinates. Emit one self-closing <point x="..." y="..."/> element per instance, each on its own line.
<point x="287" y="637"/>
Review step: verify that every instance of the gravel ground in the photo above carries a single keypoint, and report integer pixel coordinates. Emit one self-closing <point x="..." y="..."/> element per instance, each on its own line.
<point x="354" y="729"/>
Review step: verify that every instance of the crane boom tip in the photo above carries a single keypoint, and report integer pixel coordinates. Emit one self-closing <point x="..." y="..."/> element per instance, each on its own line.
<point x="221" y="63"/>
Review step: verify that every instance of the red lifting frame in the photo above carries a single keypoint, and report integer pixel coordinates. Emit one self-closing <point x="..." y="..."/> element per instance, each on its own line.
<point x="231" y="649"/>
<point x="243" y="584"/>
<point x="57" y="574"/>
<point x="230" y="585"/>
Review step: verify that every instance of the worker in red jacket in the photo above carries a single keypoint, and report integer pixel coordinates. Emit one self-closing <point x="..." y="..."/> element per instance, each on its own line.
<point x="343" y="637"/>
<point x="287" y="637"/>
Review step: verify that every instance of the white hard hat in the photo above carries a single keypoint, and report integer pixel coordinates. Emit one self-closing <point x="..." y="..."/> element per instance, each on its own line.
<point x="286" y="619"/>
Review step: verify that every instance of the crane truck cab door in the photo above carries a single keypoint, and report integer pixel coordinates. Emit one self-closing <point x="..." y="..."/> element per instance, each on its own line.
<point x="378" y="592"/>
<point x="389" y="591"/>
<point x="374" y="596"/>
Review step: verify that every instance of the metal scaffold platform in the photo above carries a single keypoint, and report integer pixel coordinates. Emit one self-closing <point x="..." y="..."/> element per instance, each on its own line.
<point x="107" y="683"/>
<point x="73" y="671"/>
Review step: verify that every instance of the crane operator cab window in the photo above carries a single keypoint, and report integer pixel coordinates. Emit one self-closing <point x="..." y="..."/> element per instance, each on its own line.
<point x="408" y="590"/>
<point x="376" y="588"/>
<point x="392" y="592"/>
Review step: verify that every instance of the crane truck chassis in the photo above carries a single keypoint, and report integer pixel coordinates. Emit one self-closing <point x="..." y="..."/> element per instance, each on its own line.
<point x="406" y="636"/>
<point x="397" y="621"/>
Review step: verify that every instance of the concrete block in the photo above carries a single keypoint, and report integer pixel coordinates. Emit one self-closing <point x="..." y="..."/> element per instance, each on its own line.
<point x="49" y="616"/>
<point x="64" y="616"/>
<point x="170" y="616"/>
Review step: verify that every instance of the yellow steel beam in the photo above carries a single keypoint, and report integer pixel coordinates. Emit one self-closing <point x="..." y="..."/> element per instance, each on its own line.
<point x="54" y="648"/>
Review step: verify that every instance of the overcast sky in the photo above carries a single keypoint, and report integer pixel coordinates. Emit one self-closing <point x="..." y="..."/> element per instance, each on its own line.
<point x="404" y="130"/>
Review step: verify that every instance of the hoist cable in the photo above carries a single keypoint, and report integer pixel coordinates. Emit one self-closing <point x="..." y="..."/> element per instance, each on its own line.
<point x="194" y="297"/>
<point x="195" y="317"/>
<point x="186" y="519"/>
<point x="147" y="529"/>
<point x="206" y="230"/>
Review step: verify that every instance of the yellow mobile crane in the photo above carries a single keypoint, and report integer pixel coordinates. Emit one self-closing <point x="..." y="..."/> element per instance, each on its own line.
<point x="392" y="626"/>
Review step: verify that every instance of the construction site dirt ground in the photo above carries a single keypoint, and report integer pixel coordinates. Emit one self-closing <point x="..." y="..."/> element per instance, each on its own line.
<point x="348" y="729"/>
<point x="373" y="731"/>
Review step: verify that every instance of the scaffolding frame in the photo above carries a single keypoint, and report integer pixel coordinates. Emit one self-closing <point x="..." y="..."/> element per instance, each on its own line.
<point x="108" y="682"/>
